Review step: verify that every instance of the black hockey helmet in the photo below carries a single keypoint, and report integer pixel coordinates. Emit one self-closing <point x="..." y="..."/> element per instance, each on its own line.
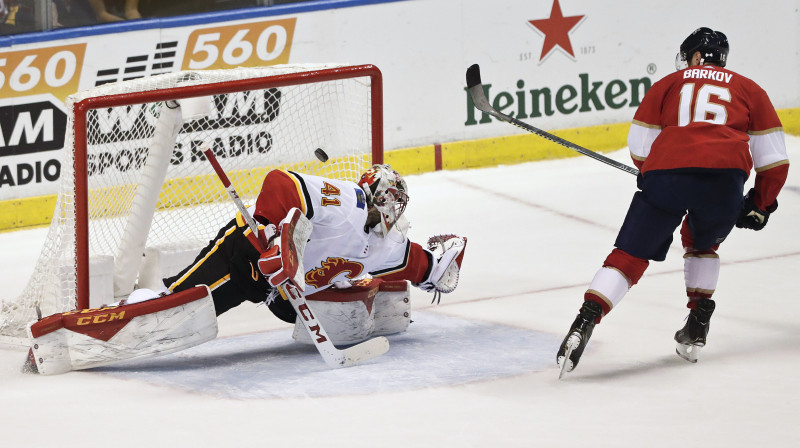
<point x="712" y="45"/>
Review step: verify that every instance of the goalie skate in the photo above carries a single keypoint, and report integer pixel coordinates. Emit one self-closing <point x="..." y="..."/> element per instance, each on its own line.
<point x="30" y="363"/>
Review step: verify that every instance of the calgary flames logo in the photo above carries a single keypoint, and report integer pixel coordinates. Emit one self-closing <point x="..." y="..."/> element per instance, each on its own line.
<point x="369" y="178"/>
<point x="331" y="268"/>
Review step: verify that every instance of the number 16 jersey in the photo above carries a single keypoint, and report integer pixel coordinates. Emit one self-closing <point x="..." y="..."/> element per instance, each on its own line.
<point x="707" y="117"/>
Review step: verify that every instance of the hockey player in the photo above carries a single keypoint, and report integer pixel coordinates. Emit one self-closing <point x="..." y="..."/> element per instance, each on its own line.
<point x="695" y="137"/>
<point x="358" y="236"/>
<point x="359" y="232"/>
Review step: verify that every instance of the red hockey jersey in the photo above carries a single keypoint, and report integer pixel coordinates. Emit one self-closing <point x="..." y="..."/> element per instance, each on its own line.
<point x="710" y="117"/>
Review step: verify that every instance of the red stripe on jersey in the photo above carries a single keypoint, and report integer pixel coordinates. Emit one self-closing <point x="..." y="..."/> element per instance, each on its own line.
<point x="280" y="192"/>
<point x="768" y="184"/>
<point x="415" y="269"/>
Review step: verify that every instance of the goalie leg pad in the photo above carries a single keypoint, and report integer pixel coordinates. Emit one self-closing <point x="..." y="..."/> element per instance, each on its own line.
<point x="392" y="307"/>
<point x="89" y="338"/>
<point x="346" y="314"/>
<point x="369" y="308"/>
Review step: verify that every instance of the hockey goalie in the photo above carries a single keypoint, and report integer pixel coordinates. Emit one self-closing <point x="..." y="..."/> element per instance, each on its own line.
<point x="349" y="267"/>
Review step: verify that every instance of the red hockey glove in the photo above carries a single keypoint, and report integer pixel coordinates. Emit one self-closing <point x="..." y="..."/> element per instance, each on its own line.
<point x="270" y="261"/>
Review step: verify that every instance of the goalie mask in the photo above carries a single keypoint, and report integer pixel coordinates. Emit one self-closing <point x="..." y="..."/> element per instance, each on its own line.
<point x="387" y="192"/>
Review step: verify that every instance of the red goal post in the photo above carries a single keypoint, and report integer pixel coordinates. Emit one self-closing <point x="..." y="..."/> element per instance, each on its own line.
<point x="133" y="179"/>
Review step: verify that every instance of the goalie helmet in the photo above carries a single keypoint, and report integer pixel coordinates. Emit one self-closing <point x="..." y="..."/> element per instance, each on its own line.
<point x="387" y="192"/>
<point x="712" y="45"/>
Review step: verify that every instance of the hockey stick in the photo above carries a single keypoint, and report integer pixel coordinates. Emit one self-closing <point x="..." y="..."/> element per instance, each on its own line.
<point x="480" y="101"/>
<point x="212" y="159"/>
<point x="295" y="234"/>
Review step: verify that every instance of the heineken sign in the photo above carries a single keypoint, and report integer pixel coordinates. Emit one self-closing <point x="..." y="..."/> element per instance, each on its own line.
<point x="585" y="95"/>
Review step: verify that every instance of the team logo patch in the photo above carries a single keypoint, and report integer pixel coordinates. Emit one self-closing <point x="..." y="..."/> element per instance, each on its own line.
<point x="331" y="268"/>
<point x="361" y="201"/>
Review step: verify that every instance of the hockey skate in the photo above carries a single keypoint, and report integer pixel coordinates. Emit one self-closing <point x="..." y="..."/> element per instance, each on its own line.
<point x="692" y="336"/>
<point x="575" y="342"/>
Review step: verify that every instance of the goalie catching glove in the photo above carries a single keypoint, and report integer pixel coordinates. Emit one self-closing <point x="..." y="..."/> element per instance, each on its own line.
<point x="753" y="217"/>
<point x="448" y="253"/>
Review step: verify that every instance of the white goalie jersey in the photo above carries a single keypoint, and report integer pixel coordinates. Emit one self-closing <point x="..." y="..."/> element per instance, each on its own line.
<point x="339" y="249"/>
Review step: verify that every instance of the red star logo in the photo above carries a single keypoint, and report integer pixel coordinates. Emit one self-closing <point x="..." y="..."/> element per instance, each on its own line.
<point x="556" y="30"/>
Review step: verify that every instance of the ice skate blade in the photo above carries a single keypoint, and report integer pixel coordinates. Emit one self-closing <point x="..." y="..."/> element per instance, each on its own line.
<point x="566" y="366"/>
<point x="688" y="352"/>
<point x="563" y="361"/>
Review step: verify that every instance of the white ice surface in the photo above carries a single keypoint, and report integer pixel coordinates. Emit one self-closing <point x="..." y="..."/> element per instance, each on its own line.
<point x="479" y="369"/>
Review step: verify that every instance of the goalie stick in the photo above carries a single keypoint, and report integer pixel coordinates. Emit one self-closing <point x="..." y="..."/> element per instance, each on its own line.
<point x="294" y="233"/>
<point x="475" y="88"/>
<point x="234" y="196"/>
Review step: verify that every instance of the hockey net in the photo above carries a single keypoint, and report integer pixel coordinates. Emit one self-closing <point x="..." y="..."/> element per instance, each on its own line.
<point x="137" y="196"/>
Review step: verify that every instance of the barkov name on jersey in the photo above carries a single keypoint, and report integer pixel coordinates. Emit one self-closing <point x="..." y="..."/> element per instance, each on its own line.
<point x="708" y="73"/>
<point x="586" y="95"/>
